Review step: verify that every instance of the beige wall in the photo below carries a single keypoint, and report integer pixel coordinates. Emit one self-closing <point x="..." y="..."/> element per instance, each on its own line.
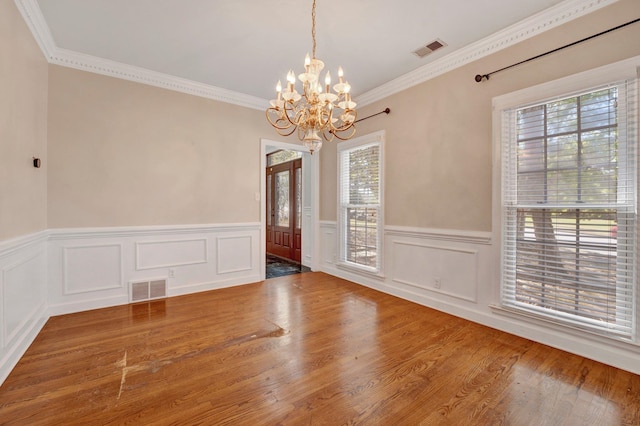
<point x="23" y="126"/>
<point x="123" y="154"/>
<point x="439" y="142"/>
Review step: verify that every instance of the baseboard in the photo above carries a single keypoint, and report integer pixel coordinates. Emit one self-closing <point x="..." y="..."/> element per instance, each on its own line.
<point x="12" y="355"/>
<point x="214" y="285"/>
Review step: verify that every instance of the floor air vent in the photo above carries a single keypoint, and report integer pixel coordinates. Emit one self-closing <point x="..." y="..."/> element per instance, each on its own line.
<point x="147" y="290"/>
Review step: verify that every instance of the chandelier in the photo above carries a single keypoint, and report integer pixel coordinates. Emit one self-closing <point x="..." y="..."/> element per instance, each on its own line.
<point x="317" y="113"/>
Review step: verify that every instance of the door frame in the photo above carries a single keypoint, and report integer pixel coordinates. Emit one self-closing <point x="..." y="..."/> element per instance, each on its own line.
<point x="311" y="224"/>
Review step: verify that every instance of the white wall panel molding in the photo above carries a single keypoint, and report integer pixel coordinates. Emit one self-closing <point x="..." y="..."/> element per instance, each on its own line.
<point x="415" y="257"/>
<point x="153" y="231"/>
<point x="23" y="305"/>
<point x="442" y="269"/>
<point x="166" y="253"/>
<point x="92" y="268"/>
<point x="11" y="354"/>
<point x="307" y="243"/>
<point x="328" y="244"/>
<point x="472" y="237"/>
<point x="88" y="268"/>
<point x="234" y="254"/>
<point x="20" y="244"/>
<point x="22" y="293"/>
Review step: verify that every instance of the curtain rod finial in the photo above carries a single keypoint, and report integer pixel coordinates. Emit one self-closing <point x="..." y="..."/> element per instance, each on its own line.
<point x="479" y="77"/>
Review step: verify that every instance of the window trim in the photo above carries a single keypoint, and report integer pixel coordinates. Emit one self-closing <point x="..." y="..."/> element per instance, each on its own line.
<point x="377" y="138"/>
<point x="547" y="92"/>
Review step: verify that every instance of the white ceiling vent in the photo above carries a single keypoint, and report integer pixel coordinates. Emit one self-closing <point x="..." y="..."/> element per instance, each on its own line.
<point x="141" y="291"/>
<point x="429" y="48"/>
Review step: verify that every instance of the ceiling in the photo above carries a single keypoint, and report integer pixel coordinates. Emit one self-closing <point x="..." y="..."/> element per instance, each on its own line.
<point x="246" y="46"/>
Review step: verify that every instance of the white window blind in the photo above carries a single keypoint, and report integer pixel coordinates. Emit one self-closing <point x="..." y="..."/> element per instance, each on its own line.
<point x="569" y="184"/>
<point x="360" y="206"/>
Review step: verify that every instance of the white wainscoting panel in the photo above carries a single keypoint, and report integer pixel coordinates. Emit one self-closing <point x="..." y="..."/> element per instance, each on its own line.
<point x="23" y="306"/>
<point x="436" y="268"/>
<point x="162" y="254"/>
<point x="307" y="243"/>
<point x="234" y="254"/>
<point x="88" y="267"/>
<point x="433" y="267"/>
<point x="91" y="268"/>
<point x="22" y="293"/>
<point x="328" y="245"/>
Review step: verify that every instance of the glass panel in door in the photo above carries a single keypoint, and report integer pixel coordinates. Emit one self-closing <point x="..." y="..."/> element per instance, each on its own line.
<point x="298" y="197"/>
<point x="282" y="198"/>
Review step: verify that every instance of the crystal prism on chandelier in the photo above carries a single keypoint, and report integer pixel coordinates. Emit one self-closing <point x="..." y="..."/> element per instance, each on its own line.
<point x="318" y="113"/>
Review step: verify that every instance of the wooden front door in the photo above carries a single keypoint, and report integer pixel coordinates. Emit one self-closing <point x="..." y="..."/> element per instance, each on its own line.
<point x="284" y="210"/>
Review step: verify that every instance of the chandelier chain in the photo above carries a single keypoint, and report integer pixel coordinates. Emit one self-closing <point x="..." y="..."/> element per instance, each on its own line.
<point x="313" y="27"/>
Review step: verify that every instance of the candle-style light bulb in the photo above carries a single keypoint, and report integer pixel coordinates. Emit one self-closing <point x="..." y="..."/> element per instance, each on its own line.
<point x="327" y="81"/>
<point x="279" y="89"/>
<point x="340" y="74"/>
<point x="307" y="62"/>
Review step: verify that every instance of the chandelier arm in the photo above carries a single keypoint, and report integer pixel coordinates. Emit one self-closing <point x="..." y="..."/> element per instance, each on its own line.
<point x="282" y="133"/>
<point x="351" y="134"/>
<point x="347" y="126"/>
<point x="328" y="138"/>
<point x="343" y="128"/>
<point x="327" y="116"/>
<point x="275" y="124"/>
<point x="301" y="118"/>
<point x="300" y="133"/>
<point x="291" y="110"/>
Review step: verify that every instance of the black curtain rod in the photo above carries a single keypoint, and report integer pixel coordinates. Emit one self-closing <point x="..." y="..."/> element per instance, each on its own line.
<point x="481" y="77"/>
<point x="384" y="111"/>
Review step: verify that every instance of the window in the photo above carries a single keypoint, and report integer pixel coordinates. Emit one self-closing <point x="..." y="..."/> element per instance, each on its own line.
<point x="360" y="202"/>
<point x="282" y="156"/>
<point x="569" y="174"/>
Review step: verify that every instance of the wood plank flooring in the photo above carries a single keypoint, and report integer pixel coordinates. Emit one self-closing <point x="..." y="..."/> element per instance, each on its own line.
<point x="299" y="350"/>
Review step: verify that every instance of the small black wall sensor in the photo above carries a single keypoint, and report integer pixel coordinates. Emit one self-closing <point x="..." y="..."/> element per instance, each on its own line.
<point x="36" y="162"/>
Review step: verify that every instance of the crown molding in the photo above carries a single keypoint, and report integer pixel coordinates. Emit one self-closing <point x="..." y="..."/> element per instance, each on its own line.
<point x="527" y="28"/>
<point x="83" y="62"/>
<point x="32" y="15"/>
<point x="530" y="27"/>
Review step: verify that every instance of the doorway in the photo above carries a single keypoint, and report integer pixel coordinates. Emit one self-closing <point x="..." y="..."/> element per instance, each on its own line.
<point x="284" y="205"/>
<point x="306" y="239"/>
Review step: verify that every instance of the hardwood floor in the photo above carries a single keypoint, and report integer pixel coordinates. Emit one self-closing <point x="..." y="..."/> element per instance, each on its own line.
<point x="303" y="349"/>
